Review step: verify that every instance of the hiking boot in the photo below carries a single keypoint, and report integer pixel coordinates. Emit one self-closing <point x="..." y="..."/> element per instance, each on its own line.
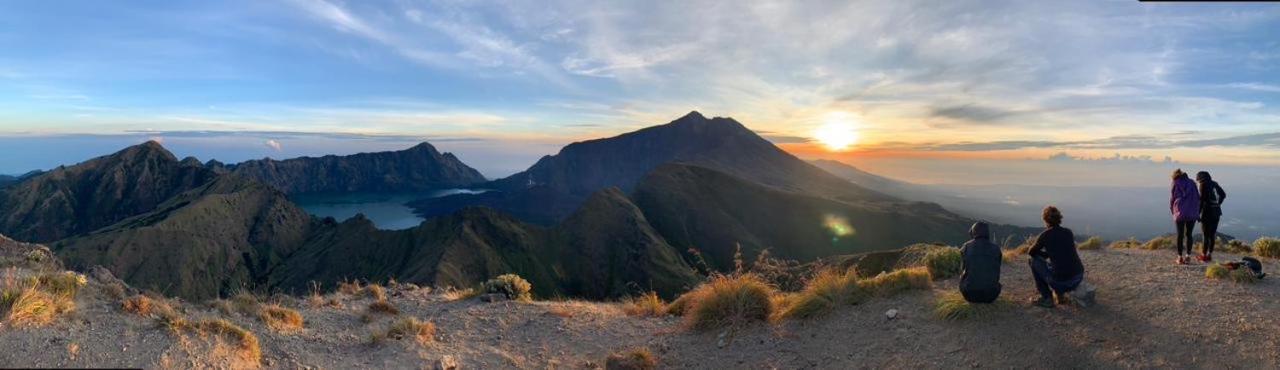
<point x="1042" y="302"/>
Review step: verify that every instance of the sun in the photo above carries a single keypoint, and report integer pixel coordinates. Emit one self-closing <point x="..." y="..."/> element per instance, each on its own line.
<point x="837" y="133"/>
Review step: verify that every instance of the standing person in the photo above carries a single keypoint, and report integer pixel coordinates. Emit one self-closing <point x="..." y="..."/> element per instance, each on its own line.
<point x="980" y="266"/>
<point x="1184" y="203"/>
<point x="1211" y="197"/>
<point x="1055" y="264"/>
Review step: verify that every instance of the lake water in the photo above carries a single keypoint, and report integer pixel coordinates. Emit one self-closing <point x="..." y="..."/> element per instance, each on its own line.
<point x="387" y="210"/>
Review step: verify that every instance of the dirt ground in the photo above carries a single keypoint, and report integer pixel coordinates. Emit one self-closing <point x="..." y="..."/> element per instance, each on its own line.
<point x="1150" y="314"/>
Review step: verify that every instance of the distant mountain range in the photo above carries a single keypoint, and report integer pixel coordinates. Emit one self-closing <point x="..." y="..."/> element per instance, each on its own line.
<point x="633" y="206"/>
<point x="416" y="169"/>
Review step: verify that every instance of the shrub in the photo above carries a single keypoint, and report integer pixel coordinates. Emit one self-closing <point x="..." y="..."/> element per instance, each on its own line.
<point x="245" y="302"/>
<point x="423" y="332"/>
<point x="245" y="341"/>
<point x="1267" y="247"/>
<point x="1092" y="243"/>
<point x="280" y="318"/>
<point x="1216" y="271"/>
<point x="823" y="293"/>
<point x="891" y="283"/>
<point x="349" y="287"/>
<point x="511" y="285"/>
<point x="648" y="304"/>
<point x="636" y="359"/>
<point x="952" y="307"/>
<point x="943" y="263"/>
<point x="726" y="301"/>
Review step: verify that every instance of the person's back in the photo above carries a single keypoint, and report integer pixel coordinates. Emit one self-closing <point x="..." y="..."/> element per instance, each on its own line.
<point x="980" y="278"/>
<point x="1057" y="244"/>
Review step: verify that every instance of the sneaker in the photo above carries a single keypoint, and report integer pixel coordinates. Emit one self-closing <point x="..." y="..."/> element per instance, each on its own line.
<point x="1202" y="258"/>
<point x="1208" y="258"/>
<point x="1042" y="302"/>
<point x="1180" y="261"/>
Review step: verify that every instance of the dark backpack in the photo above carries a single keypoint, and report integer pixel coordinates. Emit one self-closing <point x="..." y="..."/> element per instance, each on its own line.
<point x="1253" y="265"/>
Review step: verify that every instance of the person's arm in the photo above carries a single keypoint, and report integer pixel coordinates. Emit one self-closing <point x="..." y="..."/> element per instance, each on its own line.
<point x="1222" y="194"/>
<point x="1037" y="249"/>
<point x="1173" y="194"/>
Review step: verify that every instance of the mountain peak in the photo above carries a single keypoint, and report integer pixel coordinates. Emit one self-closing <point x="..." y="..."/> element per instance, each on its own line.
<point x="693" y="115"/>
<point x="148" y="149"/>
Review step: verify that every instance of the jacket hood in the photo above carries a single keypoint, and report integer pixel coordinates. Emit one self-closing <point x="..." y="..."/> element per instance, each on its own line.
<point x="980" y="230"/>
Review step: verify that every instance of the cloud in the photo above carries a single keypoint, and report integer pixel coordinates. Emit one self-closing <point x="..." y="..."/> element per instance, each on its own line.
<point x="1117" y="158"/>
<point x="972" y="113"/>
<point x="1268" y="140"/>
<point x="273" y="144"/>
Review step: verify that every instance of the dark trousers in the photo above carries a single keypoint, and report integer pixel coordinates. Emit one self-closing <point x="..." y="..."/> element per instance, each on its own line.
<point x="1209" y="226"/>
<point x="1185" y="240"/>
<point x="981" y="296"/>
<point x="1046" y="283"/>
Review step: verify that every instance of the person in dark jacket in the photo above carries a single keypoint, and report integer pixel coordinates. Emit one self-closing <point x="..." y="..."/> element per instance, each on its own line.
<point x="980" y="275"/>
<point x="1211" y="197"/>
<point x="1055" y="264"/>
<point x="1184" y="203"/>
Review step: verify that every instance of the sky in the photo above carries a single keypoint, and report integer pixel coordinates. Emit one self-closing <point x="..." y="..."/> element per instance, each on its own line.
<point x="924" y="86"/>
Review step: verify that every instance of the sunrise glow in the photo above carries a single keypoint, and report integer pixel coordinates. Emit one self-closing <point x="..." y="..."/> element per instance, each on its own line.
<point x="837" y="133"/>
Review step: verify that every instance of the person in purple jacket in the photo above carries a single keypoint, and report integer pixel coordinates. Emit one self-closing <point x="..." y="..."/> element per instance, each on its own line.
<point x="1184" y="203"/>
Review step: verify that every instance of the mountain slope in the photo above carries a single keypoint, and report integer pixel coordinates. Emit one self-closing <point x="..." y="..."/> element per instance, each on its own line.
<point x="696" y="207"/>
<point x="202" y="243"/>
<point x="555" y="184"/>
<point x="74" y="200"/>
<point x="419" y="168"/>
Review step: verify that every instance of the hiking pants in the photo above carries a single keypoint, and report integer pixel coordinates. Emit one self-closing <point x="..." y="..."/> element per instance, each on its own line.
<point x="1185" y="239"/>
<point x="1209" y="226"/>
<point x="1046" y="283"/>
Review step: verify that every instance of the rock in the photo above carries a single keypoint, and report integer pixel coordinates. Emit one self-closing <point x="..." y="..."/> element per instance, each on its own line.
<point x="720" y="339"/>
<point x="493" y="297"/>
<point x="446" y="362"/>
<point x="891" y="314"/>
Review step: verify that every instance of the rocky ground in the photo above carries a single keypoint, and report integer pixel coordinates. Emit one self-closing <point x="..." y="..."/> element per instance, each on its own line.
<point x="1149" y="314"/>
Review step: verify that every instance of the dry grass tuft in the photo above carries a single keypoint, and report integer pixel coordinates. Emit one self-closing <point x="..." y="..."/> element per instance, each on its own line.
<point x="887" y="284"/>
<point x="246" y="342"/>
<point x="636" y="359"/>
<point x="454" y="294"/>
<point x="823" y="293"/>
<point x="952" y="307"/>
<point x="375" y="291"/>
<point x="424" y="332"/>
<point x="1239" y="275"/>
<point x="1158" y="243"/>
<point x="1267" y="247"/>
<point x="1131" y="243"/>
<point x="680" y="305"/>
<point x="245" y="302"/>
<point x="513" y="286"/>
<point x="65" y="283"/>
<point x="1093" y="243"/>
<point x="280" y="318"/>
<point x="1236" y="247"/>
<point x="648" y="304"/>
<point x="38" y="300"/>
<point x="943" y="263"/>
<point x="155" y="308"/>
<point x="349" y="287"/>
<point x="729" y="301"/>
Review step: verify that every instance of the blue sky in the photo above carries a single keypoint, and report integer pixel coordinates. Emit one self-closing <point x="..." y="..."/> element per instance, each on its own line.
<point x="504" y="82"/>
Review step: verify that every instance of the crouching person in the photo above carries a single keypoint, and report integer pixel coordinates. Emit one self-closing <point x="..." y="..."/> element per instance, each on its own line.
<point x="1055" y="264"/>
<point x="980" y="274"/>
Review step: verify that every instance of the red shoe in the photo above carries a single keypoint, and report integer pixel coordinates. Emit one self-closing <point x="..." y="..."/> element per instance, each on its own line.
<point x="1202" y="258"/>
<point x="1180" y="261"/>
<point x="1208" y="258"/>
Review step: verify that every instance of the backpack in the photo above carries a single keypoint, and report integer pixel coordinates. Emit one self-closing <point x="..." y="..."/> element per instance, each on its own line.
<point x="1250" y="263"/>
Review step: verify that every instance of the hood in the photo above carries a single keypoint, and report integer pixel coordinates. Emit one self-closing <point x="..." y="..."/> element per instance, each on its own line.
<point x="980" y="230"/>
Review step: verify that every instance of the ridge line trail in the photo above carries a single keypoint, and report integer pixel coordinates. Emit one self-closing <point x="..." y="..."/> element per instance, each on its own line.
<point x="1149" y="314"/>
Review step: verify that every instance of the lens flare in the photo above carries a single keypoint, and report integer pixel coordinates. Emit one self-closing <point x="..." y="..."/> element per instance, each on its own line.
<point x="839" y="227"/>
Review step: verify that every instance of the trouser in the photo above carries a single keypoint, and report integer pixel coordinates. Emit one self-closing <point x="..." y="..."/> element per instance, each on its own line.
<point x="981" y="296"/>
<point x="1209" y="227"/>
<point x="1185" y="240"/>
<point x="1046" y="283"/>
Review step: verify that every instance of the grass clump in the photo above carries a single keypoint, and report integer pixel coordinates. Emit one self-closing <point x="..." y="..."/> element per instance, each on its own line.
<point x="727" y="301"/>
<point x="943" y="263"/>
<point x="648" y="304"/>
<point x="1158" y="243"/>
<point x="823" y="293"/>
<point x="680" y="305"/>
<point x="953" y="307"/>
<point x="424" y="332"/>
<point x="1267" y="247"/>
<point x="512" y="286"/>
<point x="38" y="300"/>
<point x="245" y="341"/>
<point x="279" y="318"/>
<point x="887" y="284"/>
<point x="1222" y="272"/>
<point x="1237" y="247"/>
<point x="636" y="359"/>
<point x="1093" y="243"/>
<point x="1131" y="243"/>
